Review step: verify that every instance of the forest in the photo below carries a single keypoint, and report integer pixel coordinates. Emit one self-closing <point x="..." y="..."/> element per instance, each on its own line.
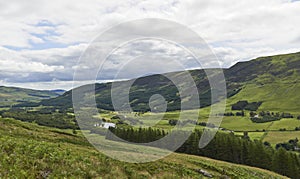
<point x="226" y="147"/>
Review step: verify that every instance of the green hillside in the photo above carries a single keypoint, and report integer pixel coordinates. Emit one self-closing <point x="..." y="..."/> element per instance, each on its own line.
<point x="275" y="81"/>
<point x="272" y="80"/>
<point x="13" y="95"/>
<point x="31" y="151"/>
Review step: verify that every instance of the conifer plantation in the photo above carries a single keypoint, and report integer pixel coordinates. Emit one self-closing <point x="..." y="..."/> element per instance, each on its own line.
<point x="225" y="147"/>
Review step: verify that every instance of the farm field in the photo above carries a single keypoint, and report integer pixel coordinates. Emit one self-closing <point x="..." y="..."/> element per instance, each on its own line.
<point x="238" y="124"/>
<point x="275" y="137"/>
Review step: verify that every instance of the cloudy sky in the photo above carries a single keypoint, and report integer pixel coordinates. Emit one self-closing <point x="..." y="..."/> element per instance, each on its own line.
<point x="41" y="41"/>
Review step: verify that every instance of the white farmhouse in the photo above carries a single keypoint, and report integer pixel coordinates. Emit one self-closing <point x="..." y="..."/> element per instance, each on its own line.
<point x="108" y="124"/>
<point x="105" y="125"/>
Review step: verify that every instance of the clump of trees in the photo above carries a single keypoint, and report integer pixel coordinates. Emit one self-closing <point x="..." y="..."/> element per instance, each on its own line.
<point x="242" y="113"/>
<point x="264" y="119"/>
<point x="267" y="116"/>
<point x="44" y="117"/>
<point x="226" y="147"/>
<point x="286" y="115"/>
<point x="245" y="105"/>
<point x="228" y="114"/>
<point x="174" y="122"/>
<point x="290" y="145"/>
<point x="126" y="120"/>
<point x="264" y="116"/>
<point x="240" y="105"/>
<point x="206" y="124"/>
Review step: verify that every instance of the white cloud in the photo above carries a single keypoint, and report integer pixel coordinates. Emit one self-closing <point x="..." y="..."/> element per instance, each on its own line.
<point x="235" y="30"/>
<point x="13" y="62"/>
<point x="39" y="65"/>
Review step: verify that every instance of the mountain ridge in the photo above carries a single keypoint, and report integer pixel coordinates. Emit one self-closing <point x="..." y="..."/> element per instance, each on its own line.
<point x="15" y="95"/>
<point x="283" y="68"/>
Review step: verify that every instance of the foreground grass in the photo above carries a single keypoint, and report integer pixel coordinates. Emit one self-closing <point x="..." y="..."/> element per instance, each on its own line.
<point x="31" y="151"/>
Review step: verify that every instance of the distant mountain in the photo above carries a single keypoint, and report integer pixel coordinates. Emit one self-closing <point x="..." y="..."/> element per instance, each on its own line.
<point x="272" y="80"/>
<point x="58" y="91"/>
<point x="14" y="96"/>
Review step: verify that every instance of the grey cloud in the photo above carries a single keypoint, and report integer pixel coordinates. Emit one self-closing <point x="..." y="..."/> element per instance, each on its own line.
<point x="246" y="30"/>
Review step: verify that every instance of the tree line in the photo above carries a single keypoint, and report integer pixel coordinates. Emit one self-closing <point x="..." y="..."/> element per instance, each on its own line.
<point x="45" y="117"/>
<point x="226" y="147"/>
<point x="245" y="105"/>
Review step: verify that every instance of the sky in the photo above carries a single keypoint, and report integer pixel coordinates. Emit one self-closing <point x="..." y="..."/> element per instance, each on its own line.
<point x="42" y="41"/>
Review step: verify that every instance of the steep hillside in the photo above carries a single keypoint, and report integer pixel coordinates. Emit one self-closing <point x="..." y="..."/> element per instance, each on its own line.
<point x="31" y="151"/>
<point x="272" y="80"/>
<point x="12" y="95"/>
<point x="142" y="89"/>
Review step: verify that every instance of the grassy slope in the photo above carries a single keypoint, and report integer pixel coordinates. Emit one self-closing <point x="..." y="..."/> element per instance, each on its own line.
<point x="275" y="82"/>
<point x="275" y="96"/>
<point x="13" y="95"/>
<point x="31" y="151"/>
<point x="278" y="89"/>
